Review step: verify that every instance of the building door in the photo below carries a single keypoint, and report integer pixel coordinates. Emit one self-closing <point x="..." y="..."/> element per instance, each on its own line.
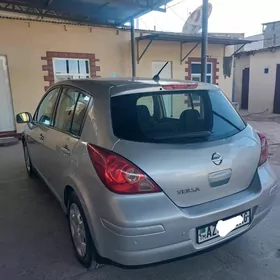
<point x="276" y="104"/>
<point x="166" y="73"/>
<point x="245" y="88"/>
<point x="7" y="121"/>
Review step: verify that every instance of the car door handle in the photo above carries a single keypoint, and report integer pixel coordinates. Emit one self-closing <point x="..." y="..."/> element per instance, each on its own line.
<point x="219" y="178"/>
<point x="65" y="150"/>
<point x="41" y="136"/>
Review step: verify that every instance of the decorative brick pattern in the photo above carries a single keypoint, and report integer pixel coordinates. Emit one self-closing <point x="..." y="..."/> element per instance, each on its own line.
<point x="215" y="69"/>
<point x="48" y="66"/>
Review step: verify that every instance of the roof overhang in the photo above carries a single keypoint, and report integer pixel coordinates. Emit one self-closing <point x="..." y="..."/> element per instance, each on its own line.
<point x="255" y="51"/>
<point x="100" y="12"/>
<point x="187" y="38"/>
<point x="193" y="38"/>
<point x="271" y="22"/>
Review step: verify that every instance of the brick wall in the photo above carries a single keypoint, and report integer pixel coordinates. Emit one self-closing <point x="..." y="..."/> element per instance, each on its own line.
<point x="48" y="66"/>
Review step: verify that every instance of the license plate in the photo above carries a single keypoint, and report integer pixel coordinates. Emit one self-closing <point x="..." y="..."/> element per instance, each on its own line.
<point x="209" y="232"/>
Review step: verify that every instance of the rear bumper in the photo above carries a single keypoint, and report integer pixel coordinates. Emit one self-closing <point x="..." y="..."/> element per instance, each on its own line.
<point x="162" y="231"/>
<point x="172" y="251"/>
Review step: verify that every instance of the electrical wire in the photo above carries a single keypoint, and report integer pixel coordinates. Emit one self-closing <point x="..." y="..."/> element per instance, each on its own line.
<point x="183" y="19"/>
<point x="142" y="21"/>
<point x="171" y="6"/>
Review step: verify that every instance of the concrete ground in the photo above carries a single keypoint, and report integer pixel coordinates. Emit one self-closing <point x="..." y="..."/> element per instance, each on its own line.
<point x="35" y="244"/>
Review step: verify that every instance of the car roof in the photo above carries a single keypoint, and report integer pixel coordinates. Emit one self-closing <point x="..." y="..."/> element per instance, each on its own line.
<point x="127" y="84"/>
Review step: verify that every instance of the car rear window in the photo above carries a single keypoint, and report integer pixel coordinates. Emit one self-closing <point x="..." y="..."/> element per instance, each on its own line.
<point x="174" y="116"/>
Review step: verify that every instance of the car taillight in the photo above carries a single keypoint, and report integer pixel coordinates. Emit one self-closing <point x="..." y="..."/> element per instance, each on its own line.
<point x="118" y="174"/>
<point x="264" y="149"/>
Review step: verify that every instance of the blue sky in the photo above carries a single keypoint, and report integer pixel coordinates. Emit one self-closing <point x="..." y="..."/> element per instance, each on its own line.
<point x="241" y="16"/>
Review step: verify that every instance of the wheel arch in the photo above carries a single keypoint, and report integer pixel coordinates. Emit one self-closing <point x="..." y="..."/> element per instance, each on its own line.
<point x="67" y="192"/>
<point x="71" y="187"/>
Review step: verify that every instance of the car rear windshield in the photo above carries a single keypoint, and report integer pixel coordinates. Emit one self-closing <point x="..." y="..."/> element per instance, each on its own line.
<point x="174" y="117"/>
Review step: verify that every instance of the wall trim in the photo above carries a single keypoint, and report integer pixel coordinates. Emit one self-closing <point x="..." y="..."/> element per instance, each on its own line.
<point x="48" y="66"/>
<point x="215" y="69"/>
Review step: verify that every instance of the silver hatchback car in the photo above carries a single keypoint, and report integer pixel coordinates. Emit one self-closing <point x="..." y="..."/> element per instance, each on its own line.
<point x="148" y="171"/>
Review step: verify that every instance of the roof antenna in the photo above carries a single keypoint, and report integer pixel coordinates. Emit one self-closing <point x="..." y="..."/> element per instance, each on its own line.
<point x="156" y="77"/>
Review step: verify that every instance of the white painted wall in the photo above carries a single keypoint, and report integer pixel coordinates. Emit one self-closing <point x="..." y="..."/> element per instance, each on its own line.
<point x="262" y="86"/>
<point x="225" y="83"/>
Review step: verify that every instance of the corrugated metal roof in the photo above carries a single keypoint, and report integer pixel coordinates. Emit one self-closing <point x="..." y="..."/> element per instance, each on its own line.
<point x="258" y="44"/>
<point x="249" y="52"/>
<point x="271" y="22"/>
<point x="101" y="12"/>
<point x="192" y="38"/>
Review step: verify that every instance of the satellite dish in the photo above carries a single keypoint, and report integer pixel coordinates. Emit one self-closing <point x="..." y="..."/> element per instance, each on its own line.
<point x="194" y="23"/>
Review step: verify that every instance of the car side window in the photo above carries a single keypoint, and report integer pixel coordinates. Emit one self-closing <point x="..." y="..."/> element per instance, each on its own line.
<point x="44" y="113"/>
<point x="65" y="109"/>
<point x="80" y="112"/>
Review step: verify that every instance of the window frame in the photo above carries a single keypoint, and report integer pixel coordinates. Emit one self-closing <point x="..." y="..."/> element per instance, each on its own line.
<point x="199" y="75"/>
<point x="84" y="118"/>
<point x="81" y="91"/>
<point x="54" y="108"/>
<point x="85" y="76"/>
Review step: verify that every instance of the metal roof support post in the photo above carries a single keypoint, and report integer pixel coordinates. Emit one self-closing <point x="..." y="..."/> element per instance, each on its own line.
<point x="183" y="58"/>
<point x="144" y="51"/>
<point x="204" y="40"/>
<point x="238" y="49"/>
<point x="132" y="33"/>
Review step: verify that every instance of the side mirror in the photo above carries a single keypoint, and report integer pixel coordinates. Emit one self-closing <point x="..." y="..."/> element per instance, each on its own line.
<point x="24" y="117"/>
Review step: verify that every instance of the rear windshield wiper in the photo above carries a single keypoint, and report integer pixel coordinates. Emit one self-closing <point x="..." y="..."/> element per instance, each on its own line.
<point x="189" y="135"/>
<point x="227" y="121"/>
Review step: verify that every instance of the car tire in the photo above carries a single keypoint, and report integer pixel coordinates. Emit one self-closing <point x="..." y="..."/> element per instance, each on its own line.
<point x="27" y="160"/>
<point x="80" y="235"/>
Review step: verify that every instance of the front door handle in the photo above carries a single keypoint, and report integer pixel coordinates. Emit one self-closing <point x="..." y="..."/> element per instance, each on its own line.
<point x="65" y="150"/>
<point x="41" y="136"/>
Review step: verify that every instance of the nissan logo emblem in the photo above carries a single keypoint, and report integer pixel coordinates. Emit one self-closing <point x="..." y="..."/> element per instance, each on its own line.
<point x="217" y="159"/>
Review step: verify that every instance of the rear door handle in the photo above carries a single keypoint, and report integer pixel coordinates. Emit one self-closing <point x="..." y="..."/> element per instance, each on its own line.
<point x="65" y="150"/>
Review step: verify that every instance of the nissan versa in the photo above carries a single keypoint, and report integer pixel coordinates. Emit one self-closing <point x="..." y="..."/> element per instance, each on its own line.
<point x="145" y="169"/>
